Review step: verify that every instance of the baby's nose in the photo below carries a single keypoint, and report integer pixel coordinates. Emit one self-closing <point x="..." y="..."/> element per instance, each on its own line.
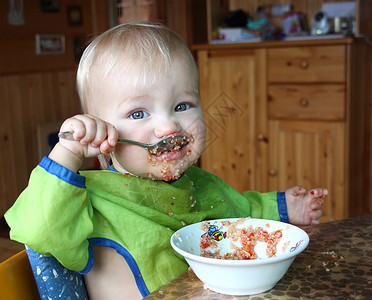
<point x="166" y="128"/>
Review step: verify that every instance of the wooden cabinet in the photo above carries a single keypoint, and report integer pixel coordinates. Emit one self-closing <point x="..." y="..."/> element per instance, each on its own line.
<point x="306" y="115"/>
<point x="229" y="89"/>
<point x="307" y="64"/>
<point x="309" y="153"/>
<point x="293" y="113"/>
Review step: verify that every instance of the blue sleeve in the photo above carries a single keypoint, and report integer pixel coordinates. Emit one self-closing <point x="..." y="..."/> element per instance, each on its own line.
<point x="282" y="207"/>
<point x="62" y="173"/>
<point x="55" y="281"/>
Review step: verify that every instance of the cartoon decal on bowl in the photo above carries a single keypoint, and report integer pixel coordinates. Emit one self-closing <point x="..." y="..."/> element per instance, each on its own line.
<point x="215" y="232"/>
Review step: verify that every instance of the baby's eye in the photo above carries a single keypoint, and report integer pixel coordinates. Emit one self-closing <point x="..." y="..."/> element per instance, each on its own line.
<point x="140" y="114"/>
<point x="182" y="107"/>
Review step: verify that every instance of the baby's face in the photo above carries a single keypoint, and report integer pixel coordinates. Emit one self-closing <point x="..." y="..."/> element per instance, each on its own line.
<point x="169" y="105"/>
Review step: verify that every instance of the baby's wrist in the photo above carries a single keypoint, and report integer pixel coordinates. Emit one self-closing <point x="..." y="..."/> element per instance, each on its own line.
<point x="66" y="158"/>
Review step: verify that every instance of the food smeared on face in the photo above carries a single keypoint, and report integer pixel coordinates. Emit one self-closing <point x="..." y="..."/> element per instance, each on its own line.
<point x="172" y="156"/>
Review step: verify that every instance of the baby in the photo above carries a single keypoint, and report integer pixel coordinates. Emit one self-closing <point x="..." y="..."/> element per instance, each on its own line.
<point x="138" y="82"/>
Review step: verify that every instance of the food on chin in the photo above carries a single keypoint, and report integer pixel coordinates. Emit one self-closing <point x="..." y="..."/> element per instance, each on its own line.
<point x="171" y="157"/>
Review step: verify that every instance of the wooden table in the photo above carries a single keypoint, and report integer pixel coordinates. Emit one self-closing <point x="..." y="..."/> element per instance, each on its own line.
<point x="337" y="264"/>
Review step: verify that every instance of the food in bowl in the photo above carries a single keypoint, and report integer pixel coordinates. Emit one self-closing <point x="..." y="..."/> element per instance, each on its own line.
<point x="243" y="240"/>
<point x="240" y="256"/>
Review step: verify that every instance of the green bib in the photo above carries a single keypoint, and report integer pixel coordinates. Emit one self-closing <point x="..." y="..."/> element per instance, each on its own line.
<point x="57" y="218"/>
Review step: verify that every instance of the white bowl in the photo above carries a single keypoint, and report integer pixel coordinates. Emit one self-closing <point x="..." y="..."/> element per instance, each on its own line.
<point x="240" y="277"/>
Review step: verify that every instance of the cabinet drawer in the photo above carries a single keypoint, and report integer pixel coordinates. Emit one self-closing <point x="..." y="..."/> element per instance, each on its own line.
<point x="307" y="64"/>
<point x="307" y="101"/>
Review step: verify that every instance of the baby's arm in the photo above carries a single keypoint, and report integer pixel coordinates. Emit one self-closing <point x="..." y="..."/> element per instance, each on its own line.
<point x="110" y="277"/>
<point x="92" y="136"/>
<point x="304" y="207"/>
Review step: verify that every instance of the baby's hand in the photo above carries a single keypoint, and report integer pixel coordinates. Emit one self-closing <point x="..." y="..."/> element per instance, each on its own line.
<point x="304" y="207"/>
<point x="91" y="137"/>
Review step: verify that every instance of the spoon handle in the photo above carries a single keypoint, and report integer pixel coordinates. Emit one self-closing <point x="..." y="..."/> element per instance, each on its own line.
<point x="68" y="135"/>
<point x="125" y="141"/>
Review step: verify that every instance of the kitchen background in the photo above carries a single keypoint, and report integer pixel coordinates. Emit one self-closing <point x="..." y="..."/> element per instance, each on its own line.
<point x="40" y="45"/>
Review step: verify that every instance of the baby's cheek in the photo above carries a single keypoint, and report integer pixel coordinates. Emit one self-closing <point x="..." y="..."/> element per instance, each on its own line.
<point x="131" y="157"/>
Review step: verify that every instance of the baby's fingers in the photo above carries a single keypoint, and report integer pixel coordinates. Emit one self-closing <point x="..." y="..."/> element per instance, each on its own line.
<point x="89" y="130"/>
<point x="106" y="148"/>
<point x="106" y="136"/>
<point x="112" y="135"/>
<point x="317" y="203"/>
<point x="112" y="138"/>
<point x="295" y="191"/>
<point x="315" y="215"/>
<point x="74" y="125"/>
<point x="320" y="192"/>
<point x="99" y="135"/>
<point x="93" y="133"/>
<point x="82" y="127"/>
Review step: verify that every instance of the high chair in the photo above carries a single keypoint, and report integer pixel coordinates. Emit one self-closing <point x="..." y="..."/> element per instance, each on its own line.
<point x="16" y="279"/>
<point x="29" y="274"/>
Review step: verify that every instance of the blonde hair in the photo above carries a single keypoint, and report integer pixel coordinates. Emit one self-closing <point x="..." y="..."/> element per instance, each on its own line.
<point x="150" y="48"/>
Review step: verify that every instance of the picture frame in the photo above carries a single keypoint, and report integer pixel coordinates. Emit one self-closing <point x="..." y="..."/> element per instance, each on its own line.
<point x="50" y="44"/>
<point x="75" y="15"/>
<point x="79" y="45"/>
<point x="49" y="5"/>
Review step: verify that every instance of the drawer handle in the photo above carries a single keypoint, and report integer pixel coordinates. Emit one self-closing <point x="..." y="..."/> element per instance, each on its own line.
<point x="305" y="64"/>
<point x="261" y="137"/>
<point x="304" y="102"/>
<point x="273" y="172"/>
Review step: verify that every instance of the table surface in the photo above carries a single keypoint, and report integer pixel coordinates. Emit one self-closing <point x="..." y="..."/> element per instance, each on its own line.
<point x="337" y="264"/>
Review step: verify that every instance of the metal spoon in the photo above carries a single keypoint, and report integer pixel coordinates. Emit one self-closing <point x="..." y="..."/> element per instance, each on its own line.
<point x="171" y="143"/>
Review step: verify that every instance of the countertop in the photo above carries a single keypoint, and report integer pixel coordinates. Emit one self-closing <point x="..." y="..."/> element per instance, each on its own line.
<point x="337" y="264"/>
<point x="276" y="44"/>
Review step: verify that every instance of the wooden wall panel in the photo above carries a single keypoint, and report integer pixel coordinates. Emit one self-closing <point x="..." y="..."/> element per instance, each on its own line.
<point x="37" y="89"/>
<point x="364" y="21"/>
<point x="179" y="21"/>
<point x="360" y="134"/>
<point x="28" y="101"/>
